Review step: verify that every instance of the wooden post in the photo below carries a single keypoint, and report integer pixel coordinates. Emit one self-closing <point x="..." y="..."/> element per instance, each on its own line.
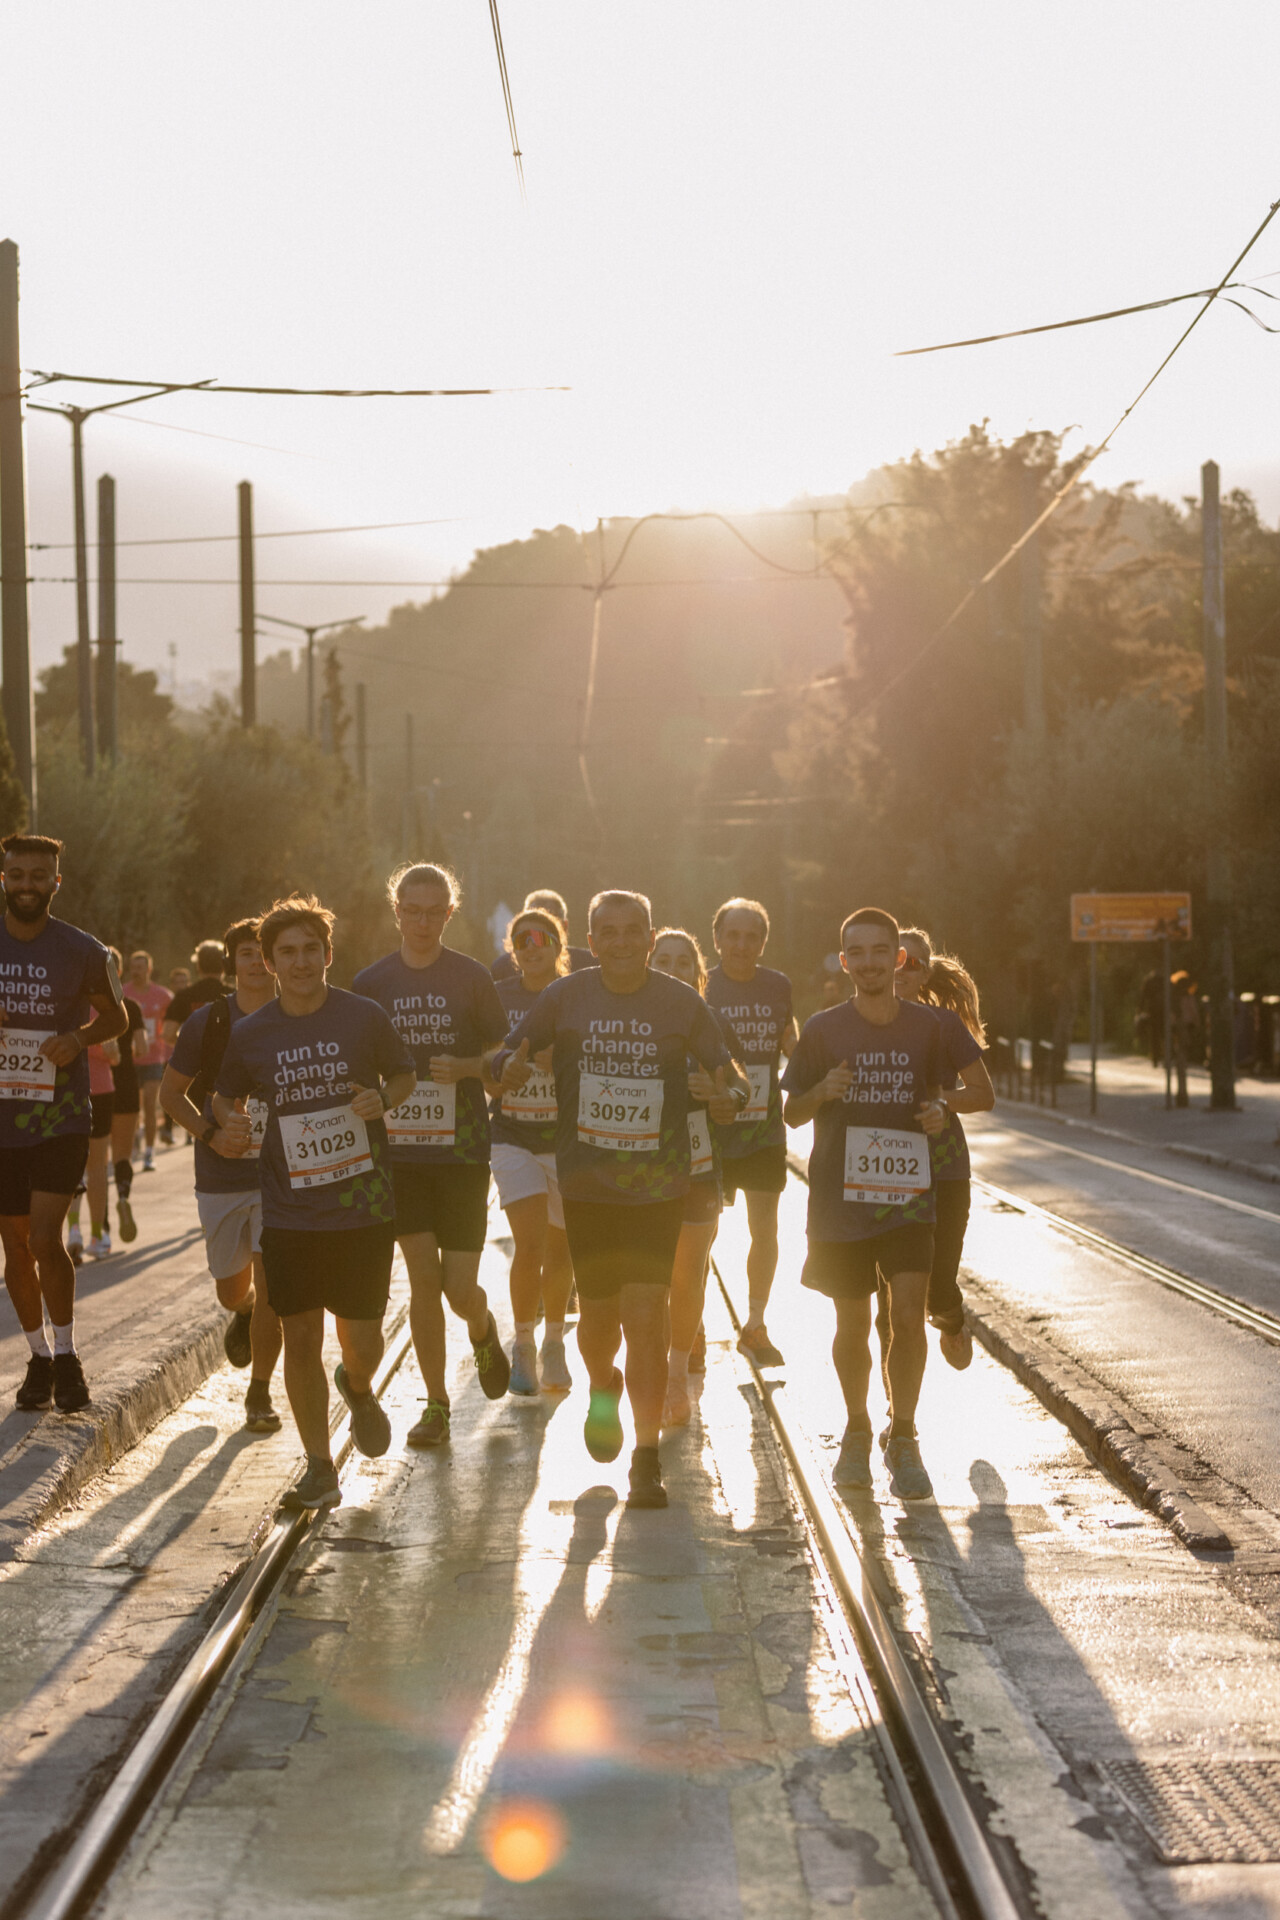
<point x="362" y="749"/>
<point x="108" y="741"/>
<point x="1093" y="1026"/>
<point x="1222" y="1073"/>
<point x="15" y="629"/>
<point x="248" y="616"/>
<point x="1032" y="616"/>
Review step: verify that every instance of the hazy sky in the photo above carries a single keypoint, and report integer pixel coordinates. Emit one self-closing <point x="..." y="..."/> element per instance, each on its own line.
<point x="736" y="213"/>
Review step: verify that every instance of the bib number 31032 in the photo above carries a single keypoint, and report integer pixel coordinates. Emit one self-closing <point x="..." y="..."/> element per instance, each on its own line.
<point x="622" y="1115"/>
<point x="322" y="1148"/>
<point x="885" y="1166"/>
<point x="25" y="1073"/>
<point x="428" y="1118"/>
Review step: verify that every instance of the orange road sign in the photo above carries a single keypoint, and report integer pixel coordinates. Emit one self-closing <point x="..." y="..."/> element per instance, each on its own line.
<point x="1130" y="916"/>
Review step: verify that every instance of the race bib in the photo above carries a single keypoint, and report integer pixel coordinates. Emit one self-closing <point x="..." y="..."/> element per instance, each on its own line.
<point x="701" y="1160"/>
<point x="757" y="1107"/>
<point x="322" y="1148"/>
<point x="884" y="1165"/>
<point x="624" y="1115"/>
<point x="428" y="1118"/>
<point x="25" y="1074"/>
<point x="258" y="1113"/>
<point x="536" y="1100"/>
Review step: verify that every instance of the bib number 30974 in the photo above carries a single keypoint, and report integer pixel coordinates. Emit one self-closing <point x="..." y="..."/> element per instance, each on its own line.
<point x="322" y="1148"/>
<point x="885" y="1166"/>
<point x="25" y="1073"/>
<point x="622" y="1115"/>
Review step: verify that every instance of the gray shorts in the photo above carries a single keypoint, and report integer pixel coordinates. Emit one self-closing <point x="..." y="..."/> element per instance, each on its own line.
<point x="232" y="1228"/>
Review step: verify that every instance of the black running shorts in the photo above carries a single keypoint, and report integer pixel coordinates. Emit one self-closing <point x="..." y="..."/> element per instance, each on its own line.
<point x="614" y="1246"/>
<point x="48" y="1166"/>
<point x="702" y="1203"/>
<point x="849" y="1269"/>
<point x="102" y="1109"/>
<point x="449" y="1202"/>
<point x="347" y="1271"/>
<point x="764" y="1171"/>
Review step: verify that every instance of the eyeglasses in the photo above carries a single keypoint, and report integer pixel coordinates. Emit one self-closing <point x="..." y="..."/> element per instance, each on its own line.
<point x="534" y="937"/>
<point x="421" y="913"/>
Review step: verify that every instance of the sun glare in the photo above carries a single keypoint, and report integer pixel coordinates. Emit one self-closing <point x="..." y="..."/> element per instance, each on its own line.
<point x="523" y="1839"/>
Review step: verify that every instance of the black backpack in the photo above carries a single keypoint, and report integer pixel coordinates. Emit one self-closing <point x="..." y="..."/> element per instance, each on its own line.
<point x="213" y="1044"/>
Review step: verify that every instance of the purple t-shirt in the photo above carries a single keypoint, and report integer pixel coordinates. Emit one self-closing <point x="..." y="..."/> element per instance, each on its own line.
<point x="759" y="1016"/>
<point x="505" y="968"/>
<point x="214" y="1173"/>
<point x="306" y="1066"/>
<point x="893" y="1069"/>
<point x="537" y="1136"/>
<point x="949" y="1150"/>
<point x="45" y="985"/>
<point x="622" y="1132"/>
<point x="452" y="1006"/>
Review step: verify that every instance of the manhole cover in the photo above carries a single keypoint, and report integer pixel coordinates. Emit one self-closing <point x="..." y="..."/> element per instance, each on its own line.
<point x="1215" y="1811"/>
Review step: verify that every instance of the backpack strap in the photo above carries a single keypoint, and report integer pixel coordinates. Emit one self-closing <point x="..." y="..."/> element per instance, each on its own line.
<point x="213" y="1044"/>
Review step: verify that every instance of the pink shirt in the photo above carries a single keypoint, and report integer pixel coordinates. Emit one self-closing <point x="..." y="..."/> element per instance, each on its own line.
<point x="101" y="1079"/>
<point x="152" y="1001"/>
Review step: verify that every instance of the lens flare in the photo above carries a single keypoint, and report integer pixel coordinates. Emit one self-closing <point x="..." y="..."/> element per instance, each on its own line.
<point x="523" y="1839"/>
<point x="575" y="1722"/>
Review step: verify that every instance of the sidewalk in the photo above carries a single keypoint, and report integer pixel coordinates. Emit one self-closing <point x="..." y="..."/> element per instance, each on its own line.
<point x="1131" y="1107"/>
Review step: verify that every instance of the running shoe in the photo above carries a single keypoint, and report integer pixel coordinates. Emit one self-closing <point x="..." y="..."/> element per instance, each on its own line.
<point x="432" y="1428"/>
<point x="644" y="1481"/>
<point x="698" y="1356"/>
<point x="75" y="1244"/>
<point x="70" y="1391"/>
<point x="524" y="1369"/>
<point x="491" y="1363"/>
<point x="318" y="1488"/>
<point x="148" y="1160"/>
<point x="36" y="1391"/>
<point x="370" y="1427"/>
<point x="100" y="1245"/>
<point x="235" y="1339"/>
<point x="677" y="1407"/>
<point x="853" y="1462"/>
<point x="124" y="1216"/>
<point x="602" y="1429"/>
<point x="755" y="1343"/>
<point x="957" y="1348"/>
<point x="259" y="1414"/>
<point x="907" y="1476"/>
<point x="556" y="1377"/>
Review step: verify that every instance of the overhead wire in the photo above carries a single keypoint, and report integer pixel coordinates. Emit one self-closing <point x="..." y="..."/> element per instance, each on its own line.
<point x="304" y="393"/>
<point x="1092" y="319"/>
<point x="516" y="154"/>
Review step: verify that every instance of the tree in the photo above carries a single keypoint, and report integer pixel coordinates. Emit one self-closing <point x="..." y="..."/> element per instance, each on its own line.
<point x="335" y="701"/>
<point x="140" y="705"/>
<point x="13" y="801"/>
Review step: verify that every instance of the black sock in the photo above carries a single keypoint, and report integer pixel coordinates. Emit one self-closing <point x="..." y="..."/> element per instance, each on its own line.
<point x="321" y="1460"/>
<point x="124" y="1178"/>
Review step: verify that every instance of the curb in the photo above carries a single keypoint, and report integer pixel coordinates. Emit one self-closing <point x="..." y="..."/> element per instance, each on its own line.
<point x="80" y="1446"/>
<point x="1206" y="1157"/>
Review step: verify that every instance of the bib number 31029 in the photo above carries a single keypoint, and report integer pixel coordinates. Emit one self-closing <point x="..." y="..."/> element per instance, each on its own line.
<point x="428" y="1118"/>
<point x="322" y="1148"/>
<point x="25" y="1073"/>
<point x="622" y="1115"/>
<point x="885" y="1166"/>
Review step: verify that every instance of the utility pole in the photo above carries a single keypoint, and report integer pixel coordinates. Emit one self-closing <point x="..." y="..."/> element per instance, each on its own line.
<point x="1222" y="1067"/>
<point x="248" y="640"/>
<point x="407" y="807"/>
<point x="325" y="626"/>
<point x="84" y="651"/>
<point x="107" y="638"/>
<point x="1032" y="615"/>
<point x="362" y="749"/>
<point x="15" y="631"/>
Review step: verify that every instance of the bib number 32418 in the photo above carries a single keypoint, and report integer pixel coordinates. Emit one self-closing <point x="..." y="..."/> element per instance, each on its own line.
<point x="885" y="1166"/>
<point x="322" y="1148"/>
<point x="624" y="1116"/>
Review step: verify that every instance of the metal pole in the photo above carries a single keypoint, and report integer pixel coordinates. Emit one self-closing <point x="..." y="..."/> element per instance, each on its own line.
<point x="1168" y="1027"/>
<point x="407" y="802"/>
<point x="311" y="682"/>
<point x="248" y="645"/>
<point x="362" y="751"/>
<point x="1093" y="1026"/>
<point x="15" y="629"/>
<point x="1032" y="622"/>
<point x="107" y="638"/>
<point x="1222" y="1076"/>
<point x="84" y="653"/>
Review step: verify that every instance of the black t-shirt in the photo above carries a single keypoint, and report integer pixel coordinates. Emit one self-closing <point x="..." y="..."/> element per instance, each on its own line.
<point x="124" y="1077"/>
<point x="198" y="994"/>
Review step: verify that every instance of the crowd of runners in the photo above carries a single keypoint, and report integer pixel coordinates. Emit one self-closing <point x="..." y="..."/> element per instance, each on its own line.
<point x="618" y="1096"/>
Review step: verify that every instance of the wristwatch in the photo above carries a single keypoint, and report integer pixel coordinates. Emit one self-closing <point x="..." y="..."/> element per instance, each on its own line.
<point x="741" y="1095"/>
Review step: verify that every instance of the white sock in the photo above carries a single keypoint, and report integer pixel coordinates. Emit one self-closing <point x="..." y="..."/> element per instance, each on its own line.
<point x="554" y="1330"/>
<point x="524" y="1332"/>
<point x="38" y="1344"/>
<point x="64" y="1338"/>
<point x="755" y="1316"/>
<point x="678" y="1367"/>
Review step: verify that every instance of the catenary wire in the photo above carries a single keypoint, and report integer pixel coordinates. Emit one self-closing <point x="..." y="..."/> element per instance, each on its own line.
<point x="1092" y="319"/>
<point x="516" y="154"/>
<point x="302" y="393"/>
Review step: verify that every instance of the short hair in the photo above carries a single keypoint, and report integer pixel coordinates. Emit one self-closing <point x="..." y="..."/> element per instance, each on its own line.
<point x="140" y="953"/>
<point x="209" y="956"/>
<point x="235" y="936"/>
<point x="298" y="910"/>
<point x="738" y="905"/>
<point x="422" y="873"/>
<point x="694" y="945"/>
<point x="32" y="843"/>
<point x="552" y="901"/>
<point x="619" y="897"/>
<point x="871" y="917"/>
<point x="539" y="917"/>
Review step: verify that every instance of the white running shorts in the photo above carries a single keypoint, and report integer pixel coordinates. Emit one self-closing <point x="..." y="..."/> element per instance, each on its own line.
<point x="232" y="1228"/>
<point x="520" y="1174"/>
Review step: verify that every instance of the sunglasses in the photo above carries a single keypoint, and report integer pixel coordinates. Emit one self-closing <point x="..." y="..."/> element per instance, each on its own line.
<point x="534" y="937"/>
<point x="912" y="965"/>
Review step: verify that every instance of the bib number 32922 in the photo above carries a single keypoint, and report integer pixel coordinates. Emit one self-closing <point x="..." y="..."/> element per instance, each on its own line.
<point x="884" y="1165"/>
<point x="25" y="1074"/>
<point x="322" y="1148"/>
<point x="428" y="1118"/>
<point x="624" y="1116"/>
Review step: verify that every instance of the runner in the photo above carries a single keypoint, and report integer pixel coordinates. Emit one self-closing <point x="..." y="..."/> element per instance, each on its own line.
<point x="126" y="1105"/>
<point x="228" y="1196"/>
<point x="621" y="1037"/>
<point x="546" y="901"/>
<point x="328" y="1065"/>
<point x="676" y="951"/>
<point x="101" y="1096"/>
<point x="152" y="999"/>
<point x="524" y="1168"/>
<point x="939" y="981"/>
<point x="447" y="1013"/>
<point x="210" y="961"/>
<point x="755" y="1004"/>
<point x="867" y="1074"/>
<point x="52" y="978"/>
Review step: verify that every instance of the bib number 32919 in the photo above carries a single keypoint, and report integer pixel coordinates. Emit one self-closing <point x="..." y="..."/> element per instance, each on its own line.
<point x="885" y="1166"/>
<point x="322" y="1148"/>
<point x="624" y="1116"/>
<point x="428" y="1118"/>
<point x="25" y="1073"/>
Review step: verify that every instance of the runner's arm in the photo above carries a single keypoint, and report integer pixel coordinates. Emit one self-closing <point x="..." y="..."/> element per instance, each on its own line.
<point x="975" y="1094"/>
<point x="234" y="1132"/>
<point x="110" y="1019"/>
<point x="446" y="1069"/>
<point x="538" y="1028"/>
<point x="806" y="1088"/>
<point x="790" y="1036"/>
